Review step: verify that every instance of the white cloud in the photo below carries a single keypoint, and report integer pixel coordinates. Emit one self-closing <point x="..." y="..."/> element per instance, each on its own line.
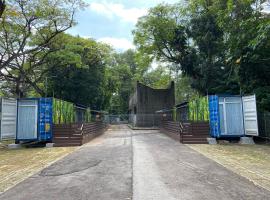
<point x="118" y="43"/>
<point x="112" y="10"/>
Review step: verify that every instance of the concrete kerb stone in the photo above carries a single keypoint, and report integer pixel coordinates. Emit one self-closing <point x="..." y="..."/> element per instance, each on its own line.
<point x="14" y="146"/>
<point x="212" y="141"/>
<point x="49" y="145"/>
<point x="246" y="140"/>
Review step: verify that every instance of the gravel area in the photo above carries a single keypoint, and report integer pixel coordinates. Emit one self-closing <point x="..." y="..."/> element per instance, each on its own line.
<point x="18" y="164"/>
<point x="250" y="161"/>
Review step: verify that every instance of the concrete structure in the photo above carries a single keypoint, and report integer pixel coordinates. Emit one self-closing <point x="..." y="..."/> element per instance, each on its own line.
<point x="246" y="140"/>
<point x="146" y="101"/>
<point x="14" y="146"/>
<point x="212" y="140"/>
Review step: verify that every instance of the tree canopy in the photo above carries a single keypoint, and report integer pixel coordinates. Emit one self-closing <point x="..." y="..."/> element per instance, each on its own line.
<point x="223" y="46"/>
<point x="27" y="28"/>
<point x="206" y="47"/>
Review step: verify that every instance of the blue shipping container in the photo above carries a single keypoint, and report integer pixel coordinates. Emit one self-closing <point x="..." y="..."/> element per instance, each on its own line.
<point x="226" y="116"/>
<point x="34" y="121"/>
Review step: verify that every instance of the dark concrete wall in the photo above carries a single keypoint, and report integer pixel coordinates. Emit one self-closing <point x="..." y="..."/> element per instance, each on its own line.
<point x="146" y="101"/>
<point x="150" y="100"/>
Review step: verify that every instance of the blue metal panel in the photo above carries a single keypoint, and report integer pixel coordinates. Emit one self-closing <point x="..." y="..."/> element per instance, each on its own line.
<point x="45" y="119"/>
<point x="214" y="116"/>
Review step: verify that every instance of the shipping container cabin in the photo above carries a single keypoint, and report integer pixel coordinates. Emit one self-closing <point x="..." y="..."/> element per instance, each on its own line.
<point x="34" y="119"/>
<point x="232" y="116"/>
<point x="8" y="118"/>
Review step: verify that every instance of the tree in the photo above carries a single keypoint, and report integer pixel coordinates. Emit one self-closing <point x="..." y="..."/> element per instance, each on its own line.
<point x="77" y="72"/>
<point x="2" y="7"/>
<point x="157" y="78"/>
<point x="192" y="41"/>
<point x="223" y="46"/>
<point x="27" y="29"/>
<point x="248" y="46"/>
<point x="162" y="35"/>
<point x="123" y="78"/>
<point x="183" y="89"/>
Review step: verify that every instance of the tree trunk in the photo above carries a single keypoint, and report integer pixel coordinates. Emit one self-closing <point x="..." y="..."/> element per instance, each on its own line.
<point x="2" y="7"/>
<point x="18" y="88"/>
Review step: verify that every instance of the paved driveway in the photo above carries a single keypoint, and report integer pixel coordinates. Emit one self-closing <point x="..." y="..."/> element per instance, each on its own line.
<point x="140" y="165"/>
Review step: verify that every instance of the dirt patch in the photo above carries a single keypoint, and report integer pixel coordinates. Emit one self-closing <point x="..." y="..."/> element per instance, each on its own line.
<point x="250" y="161"/>
<point x="19" y="164"/>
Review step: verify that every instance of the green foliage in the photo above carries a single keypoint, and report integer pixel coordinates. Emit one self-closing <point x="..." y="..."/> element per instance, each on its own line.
<point x="27" y="29"/>
<point x="87" y="116"/>
<point x="198" y="109"/>
<point x="77" y="72"/>
<point x="63" y="112"/>
<point x="121" y="78"/>
<point x="183" y="89"/>
<point x="222" y="46"/>
<point x="161" y="34"/>
<point x="157" y="78"/>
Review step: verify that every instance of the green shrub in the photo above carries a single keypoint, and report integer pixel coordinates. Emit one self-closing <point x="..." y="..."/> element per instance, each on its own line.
<point x="63" y="112"/>
<point x="198" y="109"/>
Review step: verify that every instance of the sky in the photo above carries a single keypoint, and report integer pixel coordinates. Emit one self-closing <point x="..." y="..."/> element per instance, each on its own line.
<point x="112" y="21"/>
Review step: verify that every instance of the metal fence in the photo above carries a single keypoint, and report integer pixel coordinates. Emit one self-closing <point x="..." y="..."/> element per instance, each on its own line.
<point x="138" y="120"/>
<point x="148" y="120"/>
<point x="117" y="119"/>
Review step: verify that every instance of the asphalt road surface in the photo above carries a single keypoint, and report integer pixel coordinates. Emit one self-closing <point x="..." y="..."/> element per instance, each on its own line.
<point x="141" y="165"/>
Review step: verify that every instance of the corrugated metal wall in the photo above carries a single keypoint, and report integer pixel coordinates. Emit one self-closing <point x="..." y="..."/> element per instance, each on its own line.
<point x="214" y="116"/>
<point x="234" y="116"/>
<point x="8" y="118"/>
<point x="45" y="119"/>
<point x="27" y="126"/>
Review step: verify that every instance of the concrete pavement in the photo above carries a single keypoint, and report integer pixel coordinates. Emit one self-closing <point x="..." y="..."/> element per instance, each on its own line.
<point x="140" y="165"/>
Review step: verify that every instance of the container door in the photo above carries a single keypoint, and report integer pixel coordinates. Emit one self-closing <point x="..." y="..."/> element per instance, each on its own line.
<point x="222" y="118"/>
<point x="27" y="120"/>
<point x="234" y="116"/>
<point x="8" y="118"/>
<point x="214" y="115"/>
<point x="45" y="119"/>
<point x="250" y="115"/>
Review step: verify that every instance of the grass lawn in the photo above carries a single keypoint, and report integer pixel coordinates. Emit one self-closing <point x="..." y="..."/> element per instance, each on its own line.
<point x="250" y="161"/>
<point x="19" y="164"/>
